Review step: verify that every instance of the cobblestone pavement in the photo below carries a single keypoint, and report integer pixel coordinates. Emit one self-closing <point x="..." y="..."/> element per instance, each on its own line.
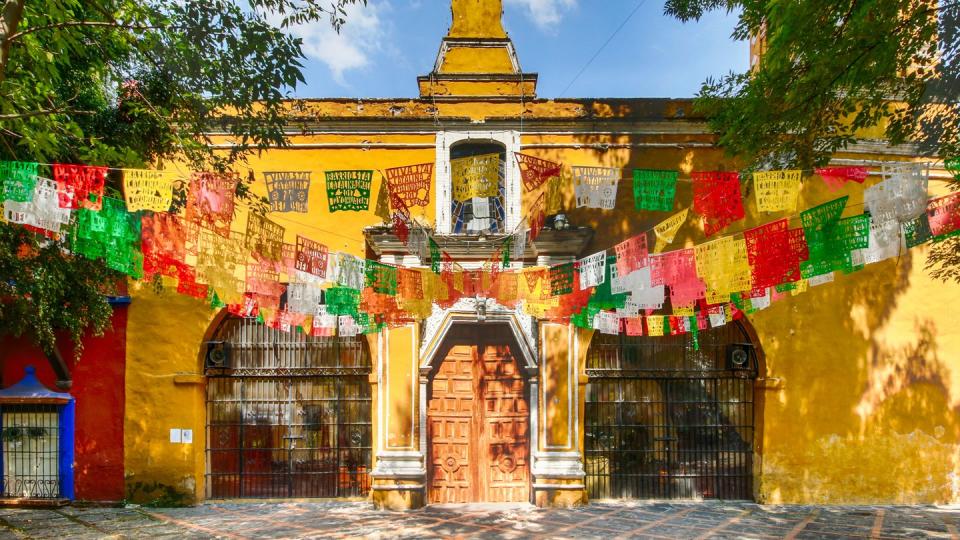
<point x="606" y="520"/>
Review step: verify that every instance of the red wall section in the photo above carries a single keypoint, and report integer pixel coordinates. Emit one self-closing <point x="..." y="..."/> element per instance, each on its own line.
<point x="98" y="387"/>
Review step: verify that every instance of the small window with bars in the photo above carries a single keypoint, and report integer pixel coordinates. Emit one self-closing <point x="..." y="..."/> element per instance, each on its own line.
<point x="31" y="451"/>
<point x="480" y="214"/>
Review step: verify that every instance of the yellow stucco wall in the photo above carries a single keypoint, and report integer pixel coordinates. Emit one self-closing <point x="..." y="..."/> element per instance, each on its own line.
<point x="164" y="391"/>
<point x="862" y="375"/>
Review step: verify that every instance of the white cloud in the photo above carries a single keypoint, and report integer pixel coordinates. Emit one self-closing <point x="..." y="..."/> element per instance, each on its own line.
<point x="359" y="38"/>
<point x="546" y="14"/>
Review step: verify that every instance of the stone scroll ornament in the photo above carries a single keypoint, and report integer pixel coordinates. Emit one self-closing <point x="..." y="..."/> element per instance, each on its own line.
<point x="592" y="269"/>
<point x="289" y="191"/>
<point x="80" y="186"/>
<point x="348" y="190"/>
<point x="535" y="171"/>
<point x="264" y="238"/>
<point x="716" y="197"/>
<point x="654" y="189"/>
<point x="409" y="186"/>
<point x="836" y="177"/>
<point x="777" y="191"/>
<point x="596" y="187"/>
<point x="19" y="178"/>
<point x="147" y="190"/>
<point x="475" y="176"/>
<point x="42" y="210"/>
<point x="210" y="200"/>
<point x="311" y="257"/>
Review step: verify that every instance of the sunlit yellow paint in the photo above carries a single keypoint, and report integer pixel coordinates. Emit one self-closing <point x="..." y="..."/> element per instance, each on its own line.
<point x="862" y="377"/>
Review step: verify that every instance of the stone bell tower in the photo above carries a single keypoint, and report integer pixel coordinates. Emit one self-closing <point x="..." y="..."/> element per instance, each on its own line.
<point x="477" y="58"/>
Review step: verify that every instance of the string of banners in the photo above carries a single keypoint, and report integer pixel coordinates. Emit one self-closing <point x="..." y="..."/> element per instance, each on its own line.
<point x="632" y="288"/>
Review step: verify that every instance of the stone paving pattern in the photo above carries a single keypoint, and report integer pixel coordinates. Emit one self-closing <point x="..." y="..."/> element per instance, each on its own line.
<point x="606" y="520"/>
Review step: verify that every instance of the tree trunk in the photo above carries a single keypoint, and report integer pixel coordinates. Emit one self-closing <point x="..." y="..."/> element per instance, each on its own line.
<point x="9" y="22"/>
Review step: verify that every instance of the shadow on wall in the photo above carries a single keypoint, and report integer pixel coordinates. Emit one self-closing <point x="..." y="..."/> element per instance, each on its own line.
<point x="867" y="411"/>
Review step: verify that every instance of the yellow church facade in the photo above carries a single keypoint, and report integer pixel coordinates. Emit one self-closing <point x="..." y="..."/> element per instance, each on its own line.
<point x="845" y="392"/>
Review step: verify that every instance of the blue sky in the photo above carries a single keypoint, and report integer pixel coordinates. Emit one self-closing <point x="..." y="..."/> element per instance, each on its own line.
<point x="386" y="45"/>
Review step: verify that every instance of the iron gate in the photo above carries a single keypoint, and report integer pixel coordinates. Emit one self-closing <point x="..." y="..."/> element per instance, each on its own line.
<point x="289" y="416"/>
<point x="666" y="420"/>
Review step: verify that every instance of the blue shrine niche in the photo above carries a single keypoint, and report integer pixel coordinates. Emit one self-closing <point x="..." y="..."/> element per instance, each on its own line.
<point x="36" y="442"/>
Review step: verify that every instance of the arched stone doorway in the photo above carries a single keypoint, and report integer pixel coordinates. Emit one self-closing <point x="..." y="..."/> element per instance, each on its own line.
<point x="668" y="419"/>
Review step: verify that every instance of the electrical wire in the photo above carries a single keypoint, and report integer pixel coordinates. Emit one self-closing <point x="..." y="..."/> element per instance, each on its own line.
<point x="602" y="47"/>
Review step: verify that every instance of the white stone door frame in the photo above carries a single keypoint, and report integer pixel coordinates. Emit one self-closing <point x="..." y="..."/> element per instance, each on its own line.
<point x="462" y="314"/>
<point x="512" y="189"/>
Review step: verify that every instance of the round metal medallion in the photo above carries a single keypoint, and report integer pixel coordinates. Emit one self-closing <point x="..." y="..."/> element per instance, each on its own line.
<point x="450" y="463"/>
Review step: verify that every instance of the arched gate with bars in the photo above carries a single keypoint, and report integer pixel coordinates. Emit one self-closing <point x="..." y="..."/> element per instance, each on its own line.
<point x="288" y="415"/>
<point x="668" y="420"/>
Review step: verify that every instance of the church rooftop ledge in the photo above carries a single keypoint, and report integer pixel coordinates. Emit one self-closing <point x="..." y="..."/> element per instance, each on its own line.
<point x="447" y="109"/>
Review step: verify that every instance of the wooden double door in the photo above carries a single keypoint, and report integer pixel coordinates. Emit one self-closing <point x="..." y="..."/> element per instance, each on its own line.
<point x="478" y="427"/>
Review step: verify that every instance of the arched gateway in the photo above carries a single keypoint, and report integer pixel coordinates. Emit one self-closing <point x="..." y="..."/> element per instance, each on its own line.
<point x="670" y="419"/>
<point x="288" y="415"/>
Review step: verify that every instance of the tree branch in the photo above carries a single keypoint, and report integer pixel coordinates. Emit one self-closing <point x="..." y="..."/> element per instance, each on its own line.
<point x="43" y="112"/>
<point x="69" y="24"/>
<point x="9" y="21"/>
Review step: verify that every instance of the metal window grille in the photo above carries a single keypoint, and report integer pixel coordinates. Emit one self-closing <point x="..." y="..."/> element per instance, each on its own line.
<point x="291" y="417"/>
<point x="31" y="451"/>
<point x="664" y="420"/>
<point x="462" y="212"/>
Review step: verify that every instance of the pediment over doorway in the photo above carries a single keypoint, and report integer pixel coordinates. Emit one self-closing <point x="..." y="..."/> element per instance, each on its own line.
<point x="468" y="311"/>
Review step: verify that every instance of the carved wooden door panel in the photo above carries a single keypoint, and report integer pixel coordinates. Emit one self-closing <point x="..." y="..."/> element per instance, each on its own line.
<point x="478" y="428"/>
<point x="505" y="438"/>
<point x="450" y="429"/>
